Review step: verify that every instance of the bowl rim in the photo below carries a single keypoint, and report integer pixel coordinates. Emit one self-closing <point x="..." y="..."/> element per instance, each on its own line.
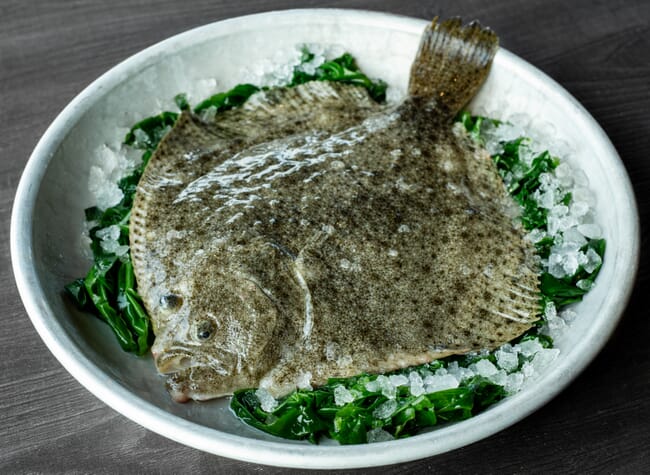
<point x="282" y="453"/>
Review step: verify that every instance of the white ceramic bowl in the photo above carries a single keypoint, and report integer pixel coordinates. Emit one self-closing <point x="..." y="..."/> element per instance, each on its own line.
<point x="48" y="214"/>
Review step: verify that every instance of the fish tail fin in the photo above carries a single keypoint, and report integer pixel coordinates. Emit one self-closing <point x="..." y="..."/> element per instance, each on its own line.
<point x="452" y="62"/>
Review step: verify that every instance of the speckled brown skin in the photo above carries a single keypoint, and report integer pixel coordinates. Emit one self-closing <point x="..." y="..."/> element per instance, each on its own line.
<point x="334" y="240"/>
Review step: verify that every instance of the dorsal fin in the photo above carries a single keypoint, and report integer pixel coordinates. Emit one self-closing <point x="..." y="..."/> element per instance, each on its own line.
<point x="313" y="105"/>
<point x="308" y="94"/>
<point x="452" y="62"/>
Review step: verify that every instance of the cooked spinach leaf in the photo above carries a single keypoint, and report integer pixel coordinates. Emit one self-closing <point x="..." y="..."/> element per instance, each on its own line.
<point x="523" y="179"/>
<point x="342" y="69"/>
<point x="109" y="289"/>
<point x="229" y="99"/>
<point x="566" y="290"/>
<point x="312" y="414"/>
<point x="147" y="133"/>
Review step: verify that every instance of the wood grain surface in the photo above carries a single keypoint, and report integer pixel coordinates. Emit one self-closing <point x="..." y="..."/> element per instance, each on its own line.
<point x="51" y="50"/>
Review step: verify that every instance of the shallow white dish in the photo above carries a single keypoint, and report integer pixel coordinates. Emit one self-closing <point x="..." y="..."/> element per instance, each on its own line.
<point x="52" y="194"/>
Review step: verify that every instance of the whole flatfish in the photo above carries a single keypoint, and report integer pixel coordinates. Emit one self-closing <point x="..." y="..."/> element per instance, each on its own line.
<point x="313" y="233"/>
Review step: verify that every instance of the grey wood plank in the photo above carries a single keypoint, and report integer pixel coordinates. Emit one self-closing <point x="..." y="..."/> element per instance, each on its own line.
<point x="50" y="50"/>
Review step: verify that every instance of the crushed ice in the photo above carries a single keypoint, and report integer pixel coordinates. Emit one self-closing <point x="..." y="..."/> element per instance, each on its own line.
<point x="570" y="226"/>
<point x="378" y="435"/>
<point x="342" y="395"/>
<point x="109" y="240"/>
<point x="267" y="402"/>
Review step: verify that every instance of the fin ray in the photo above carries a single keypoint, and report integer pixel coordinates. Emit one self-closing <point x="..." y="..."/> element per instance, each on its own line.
<point x="452" y="62"/>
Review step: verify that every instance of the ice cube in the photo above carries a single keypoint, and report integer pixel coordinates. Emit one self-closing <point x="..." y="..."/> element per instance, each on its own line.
<point x="544" y="132"/>
<point x="544" y="358"/>
<point x="585" y="285"/>
<point x="109" y="240"/>
<point x="332" y="350"/>
<point x="527" y="153"/>
<point x="563" y="173"/>
<point x="378" y="435"/>
<point x="304" y="381"/>
<point x="562" y="148"/>
<point x="574" y="237"/>
<point x="552" y="224"/>
<point x="109" y="233"/>
<point x="521" y="121"/>
<point x="593" y="261"/>
<point x="499" y="378"/>
<point x="484" y="368"/>
<point x="103" y="188"/>
<point x="545" y="181"/>
<point x="441" y="372"/>
<point x="580" y="193"/>
<point x="570" y="263"/>
<point x="555" y="265"/>
<point x="372" y="386"/>
<point x="568" y="315"/>
<point x="579" y="208"/>
<point x="546" y="199"/>
<point x="508" y="131"/>
<point x="140" y="136"/>
<point x="114" y="247"/>
<point x="439" y="383"/>
<point x="529" y="347"/>
<point x="267" y="401"/>
<point x="550" y="311"/>
<point x="507" y="360"/>
<point x="342" y="395"/>
<point x="383" y="384"/>
<point x="459" y="372"/>
<point x="417" y="385"/>
<point x="514" y="382"/>
<point x="536" y="235"/>
<point x="555" y="327"/>
<point x="527" y="370"/>
<point x="385" y="410"/>
<point x="398" y="380"/>
<point x="591" y="230"/>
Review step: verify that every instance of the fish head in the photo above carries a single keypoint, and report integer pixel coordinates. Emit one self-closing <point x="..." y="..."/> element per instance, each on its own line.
<point x="224" y="323"/>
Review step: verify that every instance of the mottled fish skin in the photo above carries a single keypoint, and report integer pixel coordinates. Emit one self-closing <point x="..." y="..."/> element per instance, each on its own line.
<point x="341" y="237"/>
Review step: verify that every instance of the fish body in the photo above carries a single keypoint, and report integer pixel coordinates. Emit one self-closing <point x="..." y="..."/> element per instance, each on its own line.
<point x="313" y="233"/>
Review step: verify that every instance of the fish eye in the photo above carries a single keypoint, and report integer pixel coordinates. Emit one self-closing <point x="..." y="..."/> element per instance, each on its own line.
<point x="171" y="301"/>
<point x="204" y="330"/>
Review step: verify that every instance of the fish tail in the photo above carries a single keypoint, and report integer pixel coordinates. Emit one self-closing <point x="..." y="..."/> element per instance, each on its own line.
<point x="452" y="62"/>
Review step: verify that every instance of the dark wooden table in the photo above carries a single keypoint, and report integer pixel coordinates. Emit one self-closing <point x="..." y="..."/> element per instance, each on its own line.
<point x="51" y="50"/>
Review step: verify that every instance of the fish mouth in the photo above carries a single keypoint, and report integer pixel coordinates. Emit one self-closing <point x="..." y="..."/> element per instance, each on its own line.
<point x="173" y="363"/>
